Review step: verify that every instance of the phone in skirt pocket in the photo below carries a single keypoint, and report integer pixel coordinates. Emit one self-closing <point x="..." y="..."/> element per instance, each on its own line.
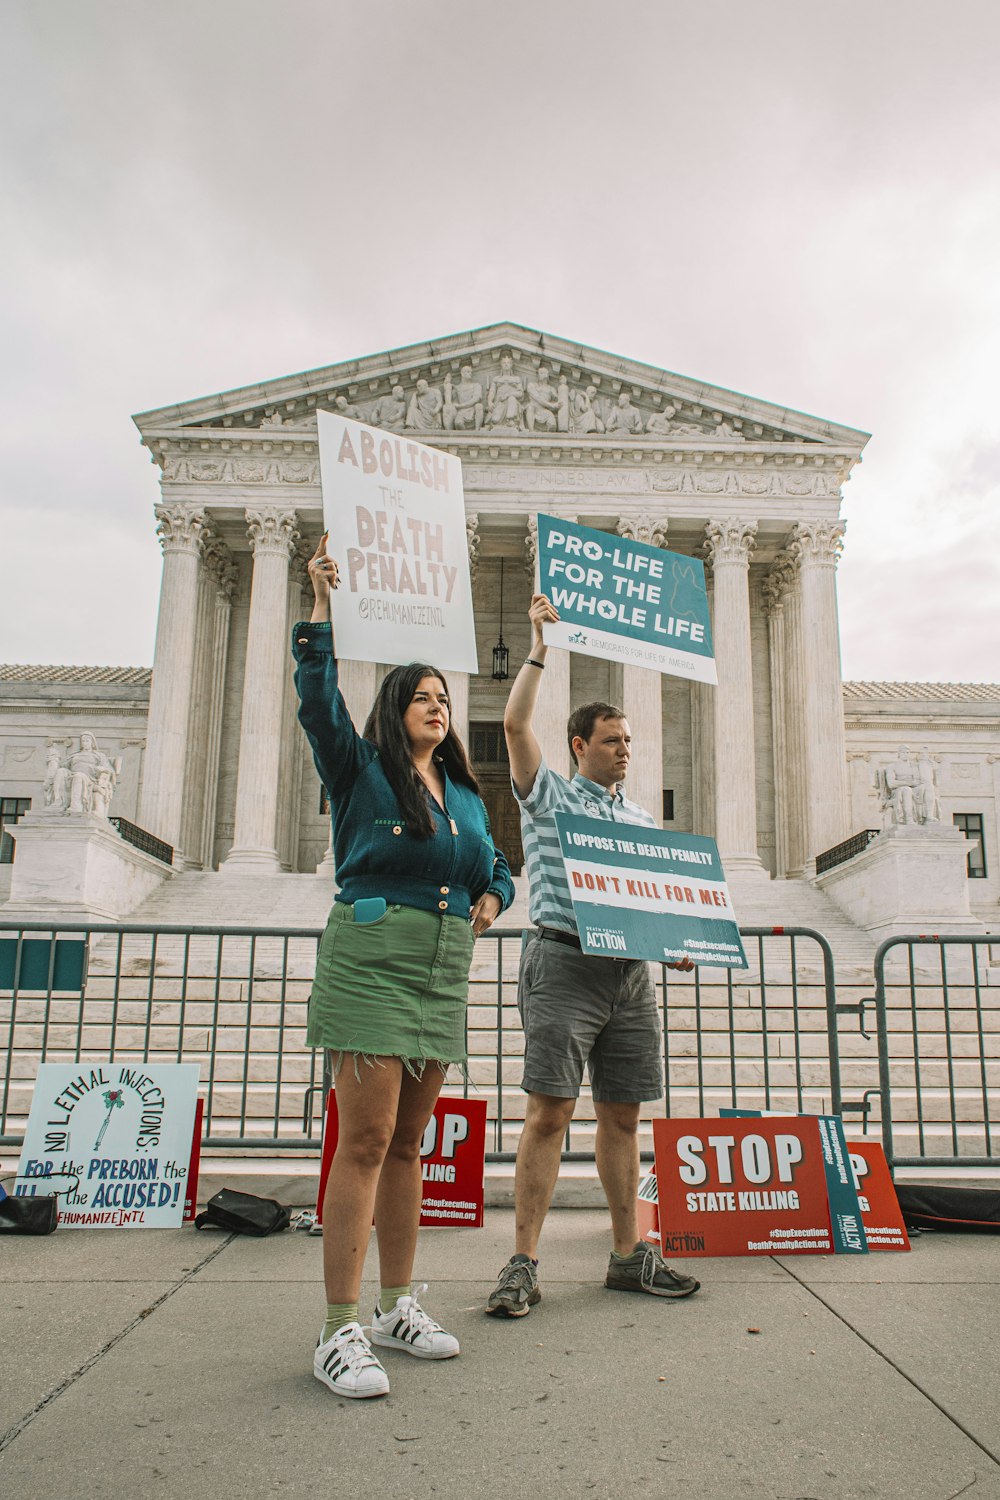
<point x="369" y="909"/>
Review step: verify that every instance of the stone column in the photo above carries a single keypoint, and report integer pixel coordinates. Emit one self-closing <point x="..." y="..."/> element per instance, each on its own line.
<point x="272" y="532"/>
<point x="458" y="686"/>
<point x="703" y="744"/>
<point x="161" y="805"/>
<point x="859" y="792"/>
<point x="223" y="572"/>
<point x="777" y="586"/>
<point x="458" y="682"/>
<point x="992" y="854"/>
<point x="729" y="544"/>
<point x="818" y="545"/>
<point x="553" y="708"/>
<point x="642" y="694"/>
<point x="192" y="827"/>
<point x="796" y="730"/>
<point x="290" y="779"/>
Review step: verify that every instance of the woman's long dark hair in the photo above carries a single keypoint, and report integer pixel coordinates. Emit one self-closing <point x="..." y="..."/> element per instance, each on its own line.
<point x="385" y="729"/>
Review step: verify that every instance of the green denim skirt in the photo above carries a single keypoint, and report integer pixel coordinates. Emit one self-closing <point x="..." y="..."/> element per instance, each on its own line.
<point x="398" y="987"/>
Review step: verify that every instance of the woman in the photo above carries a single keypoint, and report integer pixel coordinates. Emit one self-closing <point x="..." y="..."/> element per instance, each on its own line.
<point x="419" y="880"/>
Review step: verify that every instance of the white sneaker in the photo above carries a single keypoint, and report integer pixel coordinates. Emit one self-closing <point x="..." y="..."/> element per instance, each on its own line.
<point x="407" y="1326"/>
<point x="347" y="1365"/>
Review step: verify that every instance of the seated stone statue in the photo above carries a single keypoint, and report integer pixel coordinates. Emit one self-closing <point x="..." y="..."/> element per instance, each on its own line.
<point x="624" y="417"/>
<point x="543" y="404"/>
<point x="463" y="403"/>
<point x="505" y="397"/>
<point x="583" y="414"/>
<point x="390" y="411"/>
<point x="897" y="786"/>
<point x="725" y="432"/>
<point x="85" y="783"/>
<point x="426" y="403"/>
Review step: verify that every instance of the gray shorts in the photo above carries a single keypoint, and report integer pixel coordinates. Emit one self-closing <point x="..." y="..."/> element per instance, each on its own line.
<point x="578" y="1009"/>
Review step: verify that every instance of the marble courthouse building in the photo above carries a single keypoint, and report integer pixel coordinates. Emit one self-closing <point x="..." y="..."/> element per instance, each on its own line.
<point x="779" y="763"/>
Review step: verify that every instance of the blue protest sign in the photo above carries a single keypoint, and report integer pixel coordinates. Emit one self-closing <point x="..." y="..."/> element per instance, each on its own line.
<point x="641" y="893"/>
<point x="847" y="1223"/>
<point x="625" y="601"/>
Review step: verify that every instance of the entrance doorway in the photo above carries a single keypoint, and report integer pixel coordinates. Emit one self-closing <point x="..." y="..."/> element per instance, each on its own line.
<point x="488" y="750"/>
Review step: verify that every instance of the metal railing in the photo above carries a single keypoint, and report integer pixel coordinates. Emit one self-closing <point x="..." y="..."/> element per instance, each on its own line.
<point x="776" y="1036"/>
<point x="937" y="1005"/>
<point x="856" y="844"/>
<point x="140" y="839"/>
<point x="234" y="1000"/>
<point x="231" y="999"/>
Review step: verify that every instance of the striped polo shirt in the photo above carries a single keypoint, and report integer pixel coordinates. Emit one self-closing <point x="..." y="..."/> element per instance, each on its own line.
<point x="549" y="903"/>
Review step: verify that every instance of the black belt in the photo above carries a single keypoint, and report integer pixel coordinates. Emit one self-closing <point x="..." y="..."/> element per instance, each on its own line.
<point x="556" y="935"/>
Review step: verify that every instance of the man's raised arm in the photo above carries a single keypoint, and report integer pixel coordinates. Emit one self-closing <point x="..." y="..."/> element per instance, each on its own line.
<point x="522" y="747"/>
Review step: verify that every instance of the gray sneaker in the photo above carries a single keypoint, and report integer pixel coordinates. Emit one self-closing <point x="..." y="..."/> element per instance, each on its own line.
<point x="645" y="1270"/>
<point x="516" y="1291"/>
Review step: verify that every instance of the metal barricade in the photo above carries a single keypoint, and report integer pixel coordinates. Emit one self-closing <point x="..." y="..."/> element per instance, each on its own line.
<point x="231" y="999"/>
<point x="761" y="1038"/>
<point x="235" y="1000"/>
<point x="937" y="1003"/>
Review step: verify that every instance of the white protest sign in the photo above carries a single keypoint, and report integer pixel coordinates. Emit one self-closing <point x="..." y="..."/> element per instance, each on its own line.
<point x="112" y="1141"/>
<point x="395" y="512"/>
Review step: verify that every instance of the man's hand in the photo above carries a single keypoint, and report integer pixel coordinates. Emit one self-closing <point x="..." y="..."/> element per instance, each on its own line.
<point x="540" y="612"/>
<point x="485" y="912"/>
<point x="684" y="964"/>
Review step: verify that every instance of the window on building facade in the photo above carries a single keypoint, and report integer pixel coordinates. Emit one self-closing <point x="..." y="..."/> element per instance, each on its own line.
<point x="11" y="809"/>
<point x="668" y="805"/>
<point x="971" y="824"/>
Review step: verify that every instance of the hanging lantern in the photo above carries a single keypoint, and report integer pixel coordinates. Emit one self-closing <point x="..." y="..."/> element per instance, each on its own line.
<point x="501" y="652"/>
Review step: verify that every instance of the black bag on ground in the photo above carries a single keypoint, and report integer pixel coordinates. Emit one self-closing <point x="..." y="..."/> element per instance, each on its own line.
<point x="957" y="1209"/>
<point x="38" y="1215"/>
<point x="243" y="1213"/>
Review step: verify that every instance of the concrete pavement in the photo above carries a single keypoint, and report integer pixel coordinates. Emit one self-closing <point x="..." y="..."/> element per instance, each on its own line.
<point x="170" y="1363"/>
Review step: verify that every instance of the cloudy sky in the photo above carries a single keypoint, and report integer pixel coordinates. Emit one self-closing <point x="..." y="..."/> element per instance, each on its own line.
<point x="796" y="200"/>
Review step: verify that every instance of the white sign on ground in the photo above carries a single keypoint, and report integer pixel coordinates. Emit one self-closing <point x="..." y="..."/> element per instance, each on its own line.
<point x="112" y="1141"/>
<point x="395" y="512"/>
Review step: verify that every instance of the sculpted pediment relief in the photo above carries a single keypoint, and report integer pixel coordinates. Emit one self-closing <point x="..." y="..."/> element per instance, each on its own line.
<point x="511" y="397"/>
<point x="510" y="394"/>
<point x="508" y="382"/>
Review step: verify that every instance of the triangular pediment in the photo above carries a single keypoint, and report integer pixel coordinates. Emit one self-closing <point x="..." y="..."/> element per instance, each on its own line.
<point x="508" y="381"/>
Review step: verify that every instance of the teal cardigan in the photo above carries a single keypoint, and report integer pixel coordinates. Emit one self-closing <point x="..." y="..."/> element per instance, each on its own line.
<point x="375" y="853"/>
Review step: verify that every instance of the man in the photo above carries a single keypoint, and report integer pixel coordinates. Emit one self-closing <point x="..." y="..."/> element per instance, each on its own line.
<point x="900" y="782"/>
<point x="624" y="417"/>
<point x="390" y="411"/>
<point x="577" y="1009"/>
<point x="463" y="404"/>
<point x="543" y="404"/>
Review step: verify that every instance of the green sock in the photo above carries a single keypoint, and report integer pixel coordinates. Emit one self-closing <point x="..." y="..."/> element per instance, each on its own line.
<point x="389" y="1295"/>
<point x="337" y="1314"/>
